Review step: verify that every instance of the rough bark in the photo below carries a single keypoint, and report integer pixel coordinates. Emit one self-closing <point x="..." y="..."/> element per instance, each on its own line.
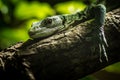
<point x="68" y="55"/>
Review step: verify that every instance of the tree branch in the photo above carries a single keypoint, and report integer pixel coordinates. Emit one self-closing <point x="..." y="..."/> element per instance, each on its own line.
<point x="68" y="55"/>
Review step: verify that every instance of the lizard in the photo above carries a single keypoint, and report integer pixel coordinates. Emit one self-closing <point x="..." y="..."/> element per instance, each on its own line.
<point x="55" y="24"/>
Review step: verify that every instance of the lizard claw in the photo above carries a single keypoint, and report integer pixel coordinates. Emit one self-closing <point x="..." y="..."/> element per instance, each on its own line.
<point x="103" y="51"/>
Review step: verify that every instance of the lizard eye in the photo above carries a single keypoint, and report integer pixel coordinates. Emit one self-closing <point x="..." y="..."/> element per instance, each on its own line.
<point x="48" y="21"/>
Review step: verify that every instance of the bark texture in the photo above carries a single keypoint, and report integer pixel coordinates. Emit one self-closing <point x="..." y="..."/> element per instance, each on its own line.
<point x="68" y="55"/>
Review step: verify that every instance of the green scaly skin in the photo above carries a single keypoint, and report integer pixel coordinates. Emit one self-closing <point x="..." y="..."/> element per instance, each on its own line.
<point x="55" y="24"/>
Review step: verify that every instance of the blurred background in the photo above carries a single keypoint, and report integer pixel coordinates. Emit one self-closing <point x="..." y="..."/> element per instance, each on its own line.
<point x="16" y="17"/>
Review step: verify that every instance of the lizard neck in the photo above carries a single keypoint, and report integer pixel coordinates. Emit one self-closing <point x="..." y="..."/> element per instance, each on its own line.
<point x="69" y="18"/>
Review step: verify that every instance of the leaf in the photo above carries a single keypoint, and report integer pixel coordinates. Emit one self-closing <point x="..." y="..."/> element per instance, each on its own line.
<point x="25" y="10"/>
<point x="70" y="7"/>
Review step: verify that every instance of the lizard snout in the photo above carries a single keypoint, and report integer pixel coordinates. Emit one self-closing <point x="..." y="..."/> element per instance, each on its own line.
<point x="30" y="33"/>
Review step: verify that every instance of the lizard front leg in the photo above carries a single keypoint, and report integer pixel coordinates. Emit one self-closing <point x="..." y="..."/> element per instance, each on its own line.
<point x="100" y="12"/>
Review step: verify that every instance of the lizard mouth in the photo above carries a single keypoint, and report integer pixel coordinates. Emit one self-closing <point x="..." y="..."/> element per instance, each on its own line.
<point x="31" y="33"/>
<point x="43" y="32"/>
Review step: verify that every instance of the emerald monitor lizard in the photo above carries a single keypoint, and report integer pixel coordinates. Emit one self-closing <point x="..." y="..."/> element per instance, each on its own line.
<point x="55" y="24"/>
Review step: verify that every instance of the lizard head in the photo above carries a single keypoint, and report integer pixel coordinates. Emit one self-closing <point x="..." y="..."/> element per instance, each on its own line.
<point x="45" y="27"/>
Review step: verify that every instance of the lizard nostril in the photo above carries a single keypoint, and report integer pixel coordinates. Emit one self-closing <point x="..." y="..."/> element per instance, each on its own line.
<point x="37" y="27"/>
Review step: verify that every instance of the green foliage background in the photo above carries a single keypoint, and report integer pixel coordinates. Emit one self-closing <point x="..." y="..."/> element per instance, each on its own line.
<point x="16" y="17"/>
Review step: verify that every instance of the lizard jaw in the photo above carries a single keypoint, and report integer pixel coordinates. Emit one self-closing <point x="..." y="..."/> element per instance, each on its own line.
<point x="42" y="32"/>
